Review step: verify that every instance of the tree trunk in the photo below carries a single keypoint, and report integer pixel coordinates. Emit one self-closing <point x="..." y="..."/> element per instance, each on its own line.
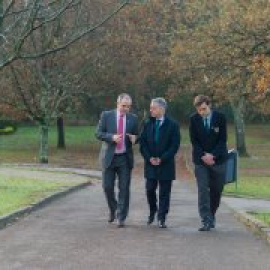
<point x="1" y="22"/>
<point x="44" y="143"/>
<point x="60" y="133"/>
<point x="239" y="122"/>
<point x="1" y="17"/>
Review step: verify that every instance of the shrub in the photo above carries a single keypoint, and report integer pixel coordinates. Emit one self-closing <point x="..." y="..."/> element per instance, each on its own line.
<point x="7" y="127"/>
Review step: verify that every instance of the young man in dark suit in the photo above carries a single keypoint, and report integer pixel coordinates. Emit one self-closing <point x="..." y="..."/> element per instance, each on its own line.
<point x="208" y="134"/>
<point x="159" y="143"/>
<point x="118" y="130"/>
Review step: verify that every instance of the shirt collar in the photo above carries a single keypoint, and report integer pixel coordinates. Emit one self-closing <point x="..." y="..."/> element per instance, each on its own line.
<point x="209" y="116"/>
<point x="118" y="114"/>
<point x="161" y="119"/>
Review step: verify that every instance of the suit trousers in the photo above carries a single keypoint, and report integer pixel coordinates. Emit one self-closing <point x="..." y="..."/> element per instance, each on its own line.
<point x="210" y="182"/>
<point x="120" y="168"/>
<point x="164" y="197"/>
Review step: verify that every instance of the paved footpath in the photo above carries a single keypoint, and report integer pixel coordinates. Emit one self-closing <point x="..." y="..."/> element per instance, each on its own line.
<point x="248" y="204"/>
<point x="73" y="233"/>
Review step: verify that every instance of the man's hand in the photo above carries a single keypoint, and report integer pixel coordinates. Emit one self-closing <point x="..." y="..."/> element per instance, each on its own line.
<point x="155" y="161"/>
<point x="208" y="159"/>
<point x="117" y="138"/>
<point x="132" y="138"/>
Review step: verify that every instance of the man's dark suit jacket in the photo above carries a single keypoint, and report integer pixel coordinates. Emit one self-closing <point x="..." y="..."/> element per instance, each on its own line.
<point x="213" y="141"/>
<point x="106" y="128"/>
<point x="165" y="149"/>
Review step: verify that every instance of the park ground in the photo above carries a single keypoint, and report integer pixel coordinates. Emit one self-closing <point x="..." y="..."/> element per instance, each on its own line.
<point x="82" y="152"/>
<point x="73" y="233"/>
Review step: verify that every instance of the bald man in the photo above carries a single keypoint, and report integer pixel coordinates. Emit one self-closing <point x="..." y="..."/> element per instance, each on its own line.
<point x="118" y="130"/>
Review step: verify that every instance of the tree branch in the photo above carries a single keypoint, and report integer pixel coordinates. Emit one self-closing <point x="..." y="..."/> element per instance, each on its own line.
<point x="76" y="38"/>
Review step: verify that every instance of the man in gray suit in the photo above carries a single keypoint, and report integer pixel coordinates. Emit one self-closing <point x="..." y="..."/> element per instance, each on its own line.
<point x="118" y="130"/>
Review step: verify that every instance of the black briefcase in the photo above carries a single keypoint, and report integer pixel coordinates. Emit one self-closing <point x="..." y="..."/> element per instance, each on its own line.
<point x="231" y="167"/>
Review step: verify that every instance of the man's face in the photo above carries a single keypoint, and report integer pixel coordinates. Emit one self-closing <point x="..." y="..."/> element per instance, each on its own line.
<point x="155" y="110"/>
<point x="204" y="110"/>
<point x="124" y="106"/>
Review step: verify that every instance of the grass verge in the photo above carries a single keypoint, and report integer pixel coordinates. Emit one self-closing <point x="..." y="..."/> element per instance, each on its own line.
<point x="257" y="187"/>
<point x="264" y="217"/>
<point x="16" y="193"/>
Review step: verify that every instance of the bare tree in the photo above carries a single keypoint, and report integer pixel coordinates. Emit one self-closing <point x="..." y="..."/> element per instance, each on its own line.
<point x="31" y="32"/>
<point x="21" y="19"/>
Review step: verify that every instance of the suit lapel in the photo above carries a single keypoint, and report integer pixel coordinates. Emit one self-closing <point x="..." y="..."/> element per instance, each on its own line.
<point x="128" y="123"/>
<point x="213" y="120"/>
<point x="201" y="123"/>
<point x="163" y="127"/>
<point x="152" y="128"/>
<point x="114" y="121"/>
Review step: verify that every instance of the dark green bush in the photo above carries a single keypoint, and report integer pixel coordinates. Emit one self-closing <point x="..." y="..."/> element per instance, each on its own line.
<point x="7" y="127"/>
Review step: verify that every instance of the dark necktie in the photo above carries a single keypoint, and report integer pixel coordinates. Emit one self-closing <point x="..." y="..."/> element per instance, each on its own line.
<point x="120" y="131"/>
<point x="206" y="124"/>
<point x="157" y="123"/>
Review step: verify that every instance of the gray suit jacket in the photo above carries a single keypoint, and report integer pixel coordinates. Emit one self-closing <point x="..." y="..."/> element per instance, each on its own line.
<point x="106" y="128"/>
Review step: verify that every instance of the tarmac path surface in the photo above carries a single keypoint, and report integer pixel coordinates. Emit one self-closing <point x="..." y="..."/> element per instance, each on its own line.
<point x="73" y="233"/>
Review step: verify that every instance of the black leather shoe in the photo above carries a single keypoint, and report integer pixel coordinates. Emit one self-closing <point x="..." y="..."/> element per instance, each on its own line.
<point x="205" y="227"/>
<point x="213" y="223"/>
<point x="151" y="219"/>
<point x="121" y="224"/>
<point x="161" y="224"/>
<point x="111" y="217"/>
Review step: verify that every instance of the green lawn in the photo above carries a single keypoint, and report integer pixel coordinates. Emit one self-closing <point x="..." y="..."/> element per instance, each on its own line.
<point x="251" y="187"/>
<point x="82" y="151"/>
<point x="264" y="217"/>
<point x="16" y="193"/>
<point x="28" y="137"/>
<point x="23" y="147"/>
<point x="254" y="171"/>
<point x="255" y="135"/>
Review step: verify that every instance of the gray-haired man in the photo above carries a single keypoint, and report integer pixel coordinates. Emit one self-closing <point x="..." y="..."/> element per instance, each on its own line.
<point x="159" y="143"/>
<point x="118" y="129"/>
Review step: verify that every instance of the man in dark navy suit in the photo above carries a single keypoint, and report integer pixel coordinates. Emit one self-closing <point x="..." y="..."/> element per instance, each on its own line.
<point x="159" y="143"/>
<point x="208" y="134"/>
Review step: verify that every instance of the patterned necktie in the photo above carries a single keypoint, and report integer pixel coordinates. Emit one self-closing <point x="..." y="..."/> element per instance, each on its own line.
<point x="120" y="130"/>
<point x="157" y="123"/>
